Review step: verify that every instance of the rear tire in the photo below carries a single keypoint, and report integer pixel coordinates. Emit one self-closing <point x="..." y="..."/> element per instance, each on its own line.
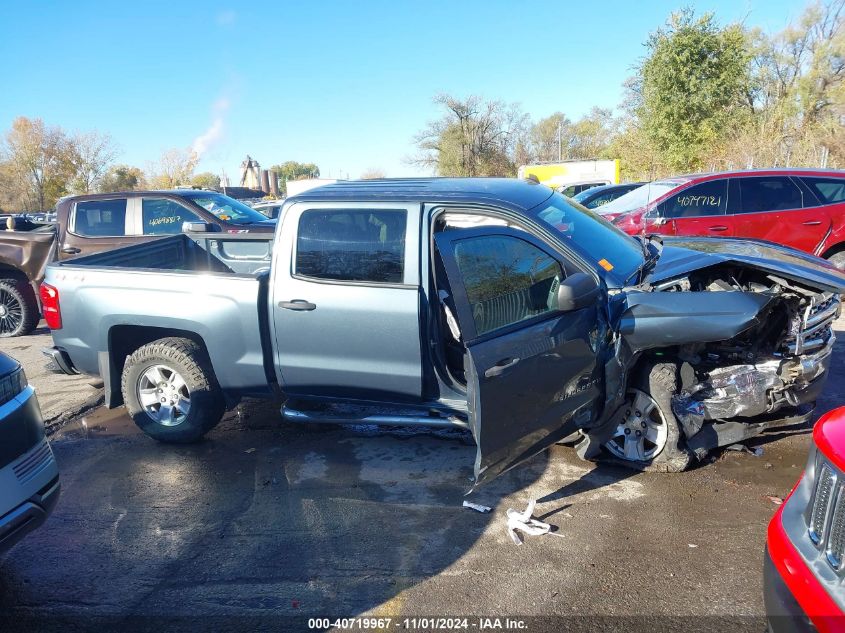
<point x="19" y="314"/>
<point x="838" y="260"/>
<point x="171" y="392"/>
<point x="659" y="382"/>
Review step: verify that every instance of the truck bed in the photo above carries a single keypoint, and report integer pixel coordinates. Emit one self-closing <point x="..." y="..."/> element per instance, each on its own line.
<point x="199" y="252"/>
<point x="207" y="285"/>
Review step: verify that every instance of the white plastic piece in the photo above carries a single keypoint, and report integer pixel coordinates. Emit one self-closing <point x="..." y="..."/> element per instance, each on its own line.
<point x="523" y="522"/>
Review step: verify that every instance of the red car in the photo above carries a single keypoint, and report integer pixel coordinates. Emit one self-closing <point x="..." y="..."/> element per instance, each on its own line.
<point x="804" y="564"/>
<point x="801" y="208"/>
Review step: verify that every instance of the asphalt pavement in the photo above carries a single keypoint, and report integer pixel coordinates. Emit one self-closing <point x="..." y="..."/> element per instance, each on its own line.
<point x="264" y="525"/>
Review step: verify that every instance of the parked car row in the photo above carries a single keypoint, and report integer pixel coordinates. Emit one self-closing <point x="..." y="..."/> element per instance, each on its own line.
<point x="800" y="208"/>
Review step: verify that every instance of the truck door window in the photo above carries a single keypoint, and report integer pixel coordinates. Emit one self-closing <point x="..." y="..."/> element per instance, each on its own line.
<point x="768" y="193"/>
<point x="507" y="280"/>
<point x="100" y="218"/>
<point x="704" y="199"/>
<point x="161" y="216"/>
<point x="352" y="245"/>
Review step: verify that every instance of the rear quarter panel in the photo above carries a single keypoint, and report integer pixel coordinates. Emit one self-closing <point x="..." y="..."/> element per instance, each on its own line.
<point x="221" y="309"/>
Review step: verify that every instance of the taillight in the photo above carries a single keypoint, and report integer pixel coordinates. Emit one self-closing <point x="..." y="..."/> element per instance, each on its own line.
<point x="50" y="306"/>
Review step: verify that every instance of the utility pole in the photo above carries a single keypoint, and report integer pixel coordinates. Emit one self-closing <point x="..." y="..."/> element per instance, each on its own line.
<point x="559" y="146"/>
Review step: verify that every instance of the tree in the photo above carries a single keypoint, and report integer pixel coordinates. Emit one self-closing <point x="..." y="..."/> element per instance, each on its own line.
<point x="591" y="134"/>
<point x="373" y="173"/>
<point x="206" y="180"/>
<point x="174" y="169"/>
<point x="122" y="178"/>
<point x="91" y="154"/>
<point x="798" y="90"/>
<point x="473" y="137"/>
<point x="37" y="165"/>
<point x="545" y="136"/>
<point x="292" y="170"/>
<point x="694" y="86"/>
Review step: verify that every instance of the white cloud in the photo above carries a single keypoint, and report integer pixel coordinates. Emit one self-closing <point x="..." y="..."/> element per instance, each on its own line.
<point x="214" y="132"/>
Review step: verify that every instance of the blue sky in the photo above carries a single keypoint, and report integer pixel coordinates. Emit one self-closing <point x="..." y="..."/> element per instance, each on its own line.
<point x="342" y="84"/>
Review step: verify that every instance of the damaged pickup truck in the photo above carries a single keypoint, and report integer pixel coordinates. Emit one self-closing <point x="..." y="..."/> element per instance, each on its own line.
<point x="489" y="304"/>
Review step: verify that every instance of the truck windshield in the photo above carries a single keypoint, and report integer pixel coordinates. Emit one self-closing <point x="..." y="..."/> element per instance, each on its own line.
<point x="225" y="208"/>
<point x="614" y="253"/>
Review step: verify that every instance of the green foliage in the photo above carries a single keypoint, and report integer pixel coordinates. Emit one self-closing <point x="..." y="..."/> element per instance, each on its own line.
<point x="292" y="170"/>
<point x="473" y="137"/>
<point x="206" y="180"/>
<point x="122" y="178"/>
<point x="695" y="84"/>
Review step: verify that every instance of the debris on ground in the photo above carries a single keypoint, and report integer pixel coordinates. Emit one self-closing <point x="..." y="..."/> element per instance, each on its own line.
<point x="476" y="506"/>
<point x="524" y="522"/>
<point x="249" y="450"/>
<point x="776" y="500"/>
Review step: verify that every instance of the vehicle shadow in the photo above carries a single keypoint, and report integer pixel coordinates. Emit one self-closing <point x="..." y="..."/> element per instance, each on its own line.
<point x="259" y="520"/>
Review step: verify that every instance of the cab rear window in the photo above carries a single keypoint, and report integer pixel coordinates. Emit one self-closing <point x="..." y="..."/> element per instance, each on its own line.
<point x="100" y="218"/>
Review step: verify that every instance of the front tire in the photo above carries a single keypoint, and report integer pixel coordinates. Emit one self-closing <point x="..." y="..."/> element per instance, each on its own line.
<point x="19" y="314"/>
<point x="171" y="392"/>
<point x="648" y="436"/>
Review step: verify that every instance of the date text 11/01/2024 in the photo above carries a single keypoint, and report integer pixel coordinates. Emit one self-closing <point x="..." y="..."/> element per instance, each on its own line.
<point x="418" y="624"/>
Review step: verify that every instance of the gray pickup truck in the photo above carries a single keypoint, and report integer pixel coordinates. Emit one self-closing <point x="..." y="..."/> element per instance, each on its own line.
<point x="495" y="305"/>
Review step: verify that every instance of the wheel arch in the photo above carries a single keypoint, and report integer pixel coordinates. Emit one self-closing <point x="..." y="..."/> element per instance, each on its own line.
<point x="10" y="270"/>
<point x="123" y="340"/>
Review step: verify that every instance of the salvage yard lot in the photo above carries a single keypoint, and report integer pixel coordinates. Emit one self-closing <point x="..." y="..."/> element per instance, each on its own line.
<point x="269" y="519"/>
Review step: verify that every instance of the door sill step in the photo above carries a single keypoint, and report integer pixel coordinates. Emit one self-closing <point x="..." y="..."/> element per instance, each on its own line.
<point x="324" y="417"/>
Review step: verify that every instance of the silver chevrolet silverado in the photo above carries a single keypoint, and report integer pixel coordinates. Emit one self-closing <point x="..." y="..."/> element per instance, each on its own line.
<point x="495" y="305"/>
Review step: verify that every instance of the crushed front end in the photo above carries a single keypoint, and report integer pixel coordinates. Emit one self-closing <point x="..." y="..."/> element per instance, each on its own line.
<point x="769" y="375"/>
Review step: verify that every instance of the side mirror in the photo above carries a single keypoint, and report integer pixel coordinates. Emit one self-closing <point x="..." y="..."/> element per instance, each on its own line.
<point x="577" y="291"/>
<point x="199" y="227"/>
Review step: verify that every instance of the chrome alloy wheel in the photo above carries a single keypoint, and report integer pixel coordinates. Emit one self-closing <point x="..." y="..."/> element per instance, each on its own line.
<point x="164" y="395"/>
<point x="642" y="431"/>
<point x="11" y="312"/>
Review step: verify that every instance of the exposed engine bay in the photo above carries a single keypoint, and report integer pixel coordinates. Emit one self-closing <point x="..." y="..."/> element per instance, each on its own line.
<point x="770" y="373"/>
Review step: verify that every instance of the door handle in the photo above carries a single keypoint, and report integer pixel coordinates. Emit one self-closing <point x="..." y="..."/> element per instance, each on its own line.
<point x="71" y="250"/>
<point x="498" y="368"/>
<point x="718" y="228"/>
<point x="297" y="304"/>
<point x="812" y="222"/>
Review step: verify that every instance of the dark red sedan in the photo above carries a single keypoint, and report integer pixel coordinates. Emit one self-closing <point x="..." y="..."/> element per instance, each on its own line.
<point x="801" y="208"/>
<point x="805" y="547"/>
